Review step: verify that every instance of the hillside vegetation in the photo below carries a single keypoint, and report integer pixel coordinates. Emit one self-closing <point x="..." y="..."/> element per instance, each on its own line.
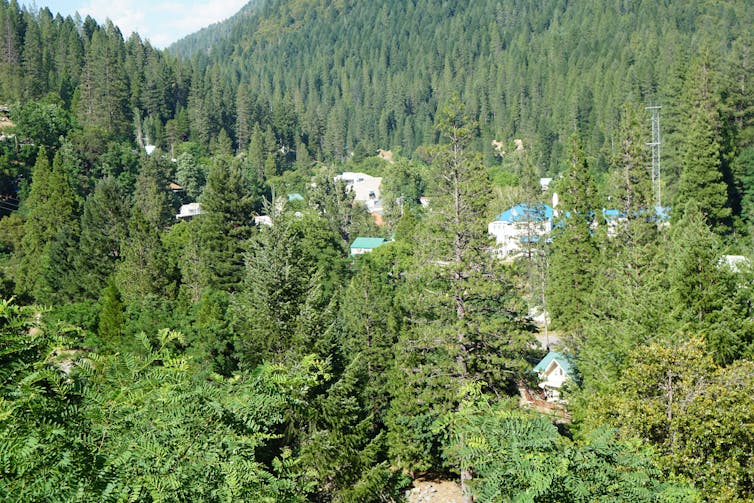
<point x="223" y="357"/>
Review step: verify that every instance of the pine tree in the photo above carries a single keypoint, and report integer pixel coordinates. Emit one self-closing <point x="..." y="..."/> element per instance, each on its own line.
<point x="143" y="269"/>
<point x="702" y="179"/>
<point x="190" y="175"/>
<point x="111" y="316"/>
<point x="702" y="291"/>
<point x="574" y="251"/>
<point x="104" y="228"/>
<point x="225" y="224"/>
<point x="51" y="207"/>
<point x="151" y="194"/>
<point x="104" y="83"/>
<point x="285" y="309"/>
<point x="466" y="322"/>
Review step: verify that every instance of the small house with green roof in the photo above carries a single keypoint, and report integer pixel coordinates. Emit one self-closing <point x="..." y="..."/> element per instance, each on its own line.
<point x="553" y="371"/>
<point x="362" y="245"/>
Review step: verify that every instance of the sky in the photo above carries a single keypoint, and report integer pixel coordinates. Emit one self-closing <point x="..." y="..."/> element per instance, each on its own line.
<point x="162" y="22"/>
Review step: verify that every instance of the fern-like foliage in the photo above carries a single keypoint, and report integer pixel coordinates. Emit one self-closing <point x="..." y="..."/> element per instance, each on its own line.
<point x="517" y="456"/>
<point x="141" y="427"/>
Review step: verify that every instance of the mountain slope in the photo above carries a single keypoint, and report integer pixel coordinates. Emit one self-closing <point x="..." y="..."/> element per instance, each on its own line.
<point x="373" y="73"/>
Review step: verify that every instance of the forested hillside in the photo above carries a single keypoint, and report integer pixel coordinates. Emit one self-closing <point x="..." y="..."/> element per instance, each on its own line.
<point x="243" y="354"/>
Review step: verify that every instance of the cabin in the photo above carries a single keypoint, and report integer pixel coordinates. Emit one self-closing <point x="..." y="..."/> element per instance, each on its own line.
<point x="189" y="210"/>
<point x="554" y="370"/>
<point x="362" y="245"/>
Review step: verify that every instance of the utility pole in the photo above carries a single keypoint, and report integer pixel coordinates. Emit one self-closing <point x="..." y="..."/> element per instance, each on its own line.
<point x="655" y="146"/>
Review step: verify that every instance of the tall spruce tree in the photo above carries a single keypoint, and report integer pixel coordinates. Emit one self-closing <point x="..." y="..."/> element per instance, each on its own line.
<point x="574" y="249"/>
<point x="702" y="178"/>
<point x="225" y="224"/>
<point x="143" y="269"/>
<point x="703" y="289"/>
<point x="466" y="321"/>
<point x="151" y="193"/>
<point x="51" y="207"/>
<point x="104" y="228"/>
<point x="293" y="269"/>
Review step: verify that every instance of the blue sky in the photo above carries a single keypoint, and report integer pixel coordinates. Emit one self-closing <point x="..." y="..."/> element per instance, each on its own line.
<point x="161" y="21"/>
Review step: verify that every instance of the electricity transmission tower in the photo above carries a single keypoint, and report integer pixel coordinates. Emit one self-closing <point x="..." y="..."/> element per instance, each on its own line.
<point x="655" y="146"/>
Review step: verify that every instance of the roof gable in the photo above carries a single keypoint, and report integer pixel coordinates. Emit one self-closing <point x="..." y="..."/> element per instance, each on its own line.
<point x="553" y="356"/>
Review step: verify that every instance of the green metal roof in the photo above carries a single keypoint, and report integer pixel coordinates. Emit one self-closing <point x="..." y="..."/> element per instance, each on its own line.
<point x="362" y="242"/>
<point x="563" y="360"/>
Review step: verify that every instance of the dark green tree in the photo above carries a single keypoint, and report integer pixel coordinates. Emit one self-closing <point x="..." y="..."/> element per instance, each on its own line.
<point x="703" y="289"/>
<point x="574" y="250"/>
<point x="50" y="208"/>
<point x="466" y="317"/>
<point x="104" y="228"/>
<point x="104" y="91"/>
<point x="43" y="122"/>
<point x="111" y="317"/>
<point x="292" y="271"/>
<point x="143" y="269"/>
<point x="702" y="178"/>
<point x="226" y="223"/>
<point x="190" y="175"/>
<point x="151" y="194"/>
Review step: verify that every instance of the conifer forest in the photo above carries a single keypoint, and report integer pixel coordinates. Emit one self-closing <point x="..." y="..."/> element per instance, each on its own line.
<point x="198" y="304"/>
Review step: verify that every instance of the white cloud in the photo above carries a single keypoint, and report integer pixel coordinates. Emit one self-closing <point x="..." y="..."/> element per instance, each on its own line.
<point x="123" y="13"/>
<point x="200" y="14"/>
<point x="162" y="22"/>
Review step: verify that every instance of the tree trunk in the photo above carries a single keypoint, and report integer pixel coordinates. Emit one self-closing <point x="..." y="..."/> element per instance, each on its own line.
<point x="466" y="496"/>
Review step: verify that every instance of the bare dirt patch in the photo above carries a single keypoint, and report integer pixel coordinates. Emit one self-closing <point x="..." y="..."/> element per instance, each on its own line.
<point x="434" y="491"/>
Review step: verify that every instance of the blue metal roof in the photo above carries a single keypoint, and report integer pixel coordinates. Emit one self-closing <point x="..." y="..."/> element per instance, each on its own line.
<point x="563" y="360"/>
<point x="524" y="212"/>
<point x="663" y="213"/>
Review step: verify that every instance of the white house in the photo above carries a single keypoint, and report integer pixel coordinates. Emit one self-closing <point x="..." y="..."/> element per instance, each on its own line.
<point x="366" y="189"/>
<point x="553" y="372"/>
<point x="519" y="225"/>
<point x="189" y="210"/>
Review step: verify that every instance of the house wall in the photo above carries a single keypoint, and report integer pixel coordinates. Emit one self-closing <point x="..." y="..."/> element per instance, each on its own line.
<point x="510" y="236"/>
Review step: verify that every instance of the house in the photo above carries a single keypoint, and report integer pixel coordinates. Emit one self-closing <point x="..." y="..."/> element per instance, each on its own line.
<point x="263" y="220"/>
<point x="295" y="197"/>
<point x="366" y="189"/>
<point x="189" y="210"/>
<point x="519" y="225"/>
<point x="362" y="245"/>
<point x="553" y="371"/>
